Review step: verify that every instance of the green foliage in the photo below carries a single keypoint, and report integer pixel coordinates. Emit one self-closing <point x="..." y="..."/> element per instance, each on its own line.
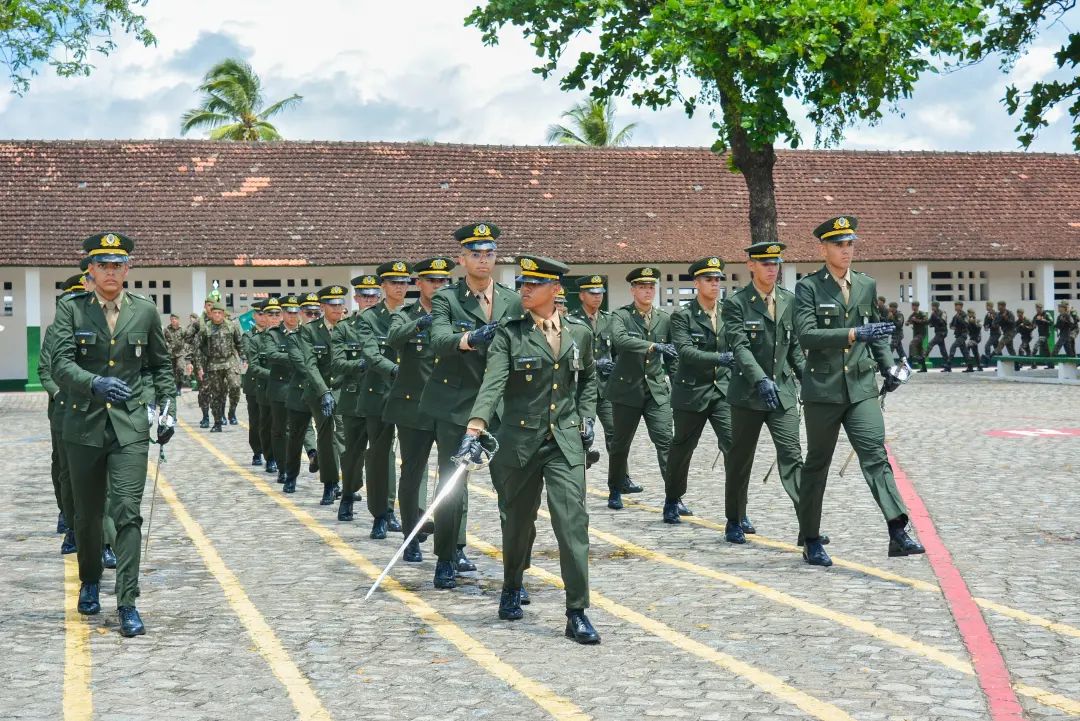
<point x="592" y="123"/>
<point x="61" y="34"/>
<point x="844" y="60"/>
<point x="232" y="96"/>
<point x="1017" y="25"/>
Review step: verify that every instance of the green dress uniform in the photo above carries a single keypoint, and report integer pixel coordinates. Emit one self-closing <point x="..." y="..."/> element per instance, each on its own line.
<point x="314" y="345"/>
<point x="299" y="413"/>
<point x="549" y="390"/>
<point x="247" y="385"/>
<point x="107" y="442"/>
<point x="279" y="372"/>
<point x="765" y="345"/>
<point x="638" y="386"/>
<point x="409" y="337"/>
<point x="456" y="376"/>
<point x="839" y="388"/>
<point x="603" y="349"/>
<point x="699" y="388"/>
<point x="348" y="364"/>
<point x="265" y="345"/>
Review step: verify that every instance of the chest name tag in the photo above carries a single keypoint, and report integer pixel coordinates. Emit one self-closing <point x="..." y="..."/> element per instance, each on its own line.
<point x="527" y="363"/>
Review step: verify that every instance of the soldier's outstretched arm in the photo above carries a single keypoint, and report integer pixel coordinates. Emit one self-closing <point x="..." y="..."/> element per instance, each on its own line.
<point x="738" y="342"/>
<point x="402" y="328"/>
<point x="621" y="340"/>
<point x="489" y="398"/>
<point x="158" y="362"/>
<point x="810" y="336"/>
<point x="689" y="353"/>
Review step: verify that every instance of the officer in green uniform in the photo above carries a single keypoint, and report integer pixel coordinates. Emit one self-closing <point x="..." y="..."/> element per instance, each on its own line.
<point x="263" y="345"/>
<point x="299" y="414"/>
<point x="247" y="383"/>
<point x="759" y="321"/>
<point x="110" y="343"/>
<point x="352" y="368"/>
<point x="321" y="384"/>
<point x="465" y="316"/>
<point x="700" y="387"/>
<point x="845" y="340"/>
<point x="540" y="364"/>
<point x="408" y="336"/>
<point x="275" y="371"/>
<point x="638" y="387"/>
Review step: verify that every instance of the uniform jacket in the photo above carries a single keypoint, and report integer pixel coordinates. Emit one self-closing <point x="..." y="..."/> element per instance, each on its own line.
<point x="294" y="400"/>
<point x="276" y="361"/>
<point x="135" y="353"/>
<point x="220" y="346"/>
<point x="762" y="347"/>
<point x="898" y="319"/>
<point x="918" y="322"/>
<point x="545" y="396"/>
<point x="938" y="322"/>
<point x="1006" y="322"/>
<point x="456" y="374"/>
<point x="415" y="360"/>
<point x="638" y="372"/>
<point x="313" y="343"/>
<point x="836" y="371"/>
<point x="699" y="381"/>
<point x="374" y="324"/>
<point x="603" y="346"/>
<point x="959" y="325"/>
<point x="191" y="341"/>
<point x="1025" y="328"/>
<point x="247" y="381"/>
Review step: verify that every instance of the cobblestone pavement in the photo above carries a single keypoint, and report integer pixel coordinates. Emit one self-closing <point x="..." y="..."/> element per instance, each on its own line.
<point x="254" y="600"/>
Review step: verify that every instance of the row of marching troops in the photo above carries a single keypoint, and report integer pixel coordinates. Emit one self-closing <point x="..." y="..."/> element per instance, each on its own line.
<point x="472" y="358"/>
<point x="1002" y="326"/>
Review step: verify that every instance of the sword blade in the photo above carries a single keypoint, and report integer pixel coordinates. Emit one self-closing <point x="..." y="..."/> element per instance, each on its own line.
<point x="849" y="457"/>
<point x="427" y="515"/>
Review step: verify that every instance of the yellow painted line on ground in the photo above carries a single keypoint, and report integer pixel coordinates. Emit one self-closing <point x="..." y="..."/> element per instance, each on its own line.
<point x="1016" y="614"/>
<point x="844" y="619"/>
<point x="301" y="694"/>
<point x="557" y="706"/>
<point x="78" y="699"/>
<point x="762" y="679"/>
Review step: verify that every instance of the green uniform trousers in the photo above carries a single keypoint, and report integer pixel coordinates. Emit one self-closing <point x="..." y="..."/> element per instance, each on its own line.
<point x="688" y="427"/>
<point x="452" y="514"/>
<point x="626" y="419"/>
<point x="279" y="431"/>
<point x="354" y="428"/>
<point x="329" y="437"/>
<point x="67" y="497"/>
<point x="415" y="447"/>
<point x="739" y="460"/>
<point x="607" y="421"/>
<point x="865" y="428"/>
<point x="254" y="439"/>
<point x="54" y="465"/>
<point x="110" y="478"/>
<point x="266" y="430"/>
<point x="378" y="465"/>
<point x="519" y="491"/>
<point x="296" y="440"/>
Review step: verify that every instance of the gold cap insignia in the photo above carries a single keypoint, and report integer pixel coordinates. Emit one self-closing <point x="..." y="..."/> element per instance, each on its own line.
<point x="369" y="280"/>
<point x="596" y="279"/>
<point x="713" y="263"/>
<point x="110" y="241"/>
<point x="482" y="230"/>
<point x="337" y="290"/>
<point x="438" y="264"/>
<point x="528" y="264"/>
<point x="646" y="271"/>
<point x="840" y="223"/>
<point x="773" y="249"/>
<point x="399" y="267"/>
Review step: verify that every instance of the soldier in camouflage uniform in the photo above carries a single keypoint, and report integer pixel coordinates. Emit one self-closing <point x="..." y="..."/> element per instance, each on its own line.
<point x="191" y="349"/>
<point x="990" y="323"/>
<point x="960" y="335"/>
<point x="918" y="322"/>
<point x="1026" y="329"/>
<point x="174" y="341"/>
<point x="1066" y="326"/>
<point x="1042" y="324"/>
<point x="897" y="318"/>
<point x="974" y="336"/>
<point x="941" y="328"/>
<point x="1006" y="322"/>
<point x="220" y="350"/>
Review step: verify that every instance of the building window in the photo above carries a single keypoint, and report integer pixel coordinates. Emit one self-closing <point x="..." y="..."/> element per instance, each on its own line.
<point x="228" y="283"/>
<point x="318" y="283"/>
<point x="9" y="299"/>
<point x="166" y="284"/>
<point x="166" y="303"/>
<point x="243" y="284"/>
<point x="152" y="284"/>
<point x="292" y="283"/>
<point x="266" y="283"/>
<point x="138" y="284"/>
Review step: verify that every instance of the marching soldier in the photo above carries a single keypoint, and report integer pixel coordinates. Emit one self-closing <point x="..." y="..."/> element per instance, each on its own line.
<point x="1066" y="327"/>
<point x="974" y="336"/>
<point x="1006" y="322"/>
<point x="298" y="435"/>
<point x="941" y="329"/>
<point x="220" y="346"/>
<point x="465" y="316"/>
<point x="918" y="322"/>
<point x="174" y="340"/>
<point x="895" y="317"/>
<point x="882" y="307"/>
<point x="263" y="345"/>
<point x="110" y="344"/>
<point x="247" y="384"/>
<point x="838" y="325"/>
<point x="540" y="364"/>
<point x="700" y="388"/>
<point x="641" y="336"/>
<point x="591" y="291"/>
<point x="990" y="323"/>
<point x="959" y="326"/>
<point x="408" y="336"/>
<point x="273" y="373"/>
<point x="191" y="343"/>
<point x="281" y="387"/>
<point x="1025" y="328"/>
<point x="560" y="302"/>
<point x="759" y="322"/>
<point x="321" y="384"/>
<point x="352" y="368"/>
<point x="1042" y="324"/>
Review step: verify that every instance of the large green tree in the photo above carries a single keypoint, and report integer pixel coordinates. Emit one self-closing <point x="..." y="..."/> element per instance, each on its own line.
<point x="844" y="61"/>
<point x="591" y="122"/>
<point x="62" y="33"/>
<point x="1017" y="25"/>
<point x="232" y="105"/>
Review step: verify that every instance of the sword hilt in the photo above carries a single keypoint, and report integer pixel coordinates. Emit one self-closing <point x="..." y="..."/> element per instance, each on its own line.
<point x="489" y="446"/>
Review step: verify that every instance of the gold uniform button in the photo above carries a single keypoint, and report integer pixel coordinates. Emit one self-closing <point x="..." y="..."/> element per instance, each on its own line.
<point x="552" y="406"/>
<point x="108" y="405"/>
<point x="112" y="363"/>
<point x="523" y="423"/>
<point x="845" y="367"/>
<point x="554" y="386"/>
<point x="112" y="342"/>
<point x="408" y="397"/>
<point x="444" y="380"/>
<point x="556" y="366"/>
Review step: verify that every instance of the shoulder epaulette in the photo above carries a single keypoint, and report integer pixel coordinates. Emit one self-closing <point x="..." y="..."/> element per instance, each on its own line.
<point x="571" y="319"/>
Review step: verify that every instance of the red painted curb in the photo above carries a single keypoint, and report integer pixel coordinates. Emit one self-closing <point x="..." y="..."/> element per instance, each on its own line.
<point x="989" y="666"/>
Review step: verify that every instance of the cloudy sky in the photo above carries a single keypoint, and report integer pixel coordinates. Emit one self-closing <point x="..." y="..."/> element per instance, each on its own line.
<point x="410" y="70"/>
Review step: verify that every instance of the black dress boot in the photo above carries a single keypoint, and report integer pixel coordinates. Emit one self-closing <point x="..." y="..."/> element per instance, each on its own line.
<point x="444" y="574"/>
<point x="747" y="527"/>
<point x="412" y="552"/>
<point x="232" y="418"/>
<point x="216" y="428"/>
<point x="130" y="622"/>
<point x="313" y="462"/>
<point x="628" y="486"/>
<point x="525" y="600"/>
<point x="822" y="539"/>
<point x="256" y="459"/>
<point x="345" y="510"/>
<point x="290" y="484"/>
<point x="281" y="475"/>
<point x="88" y="599"/>
<point x="579" y="628"/>
<point x="271" y="466"/>
<point x="683" y="510"/>
<point x="614" y="500"/>
<point x="108" y="558"/>
<point x="327" y="494"/>
<point x="61" y="524"/>
<point x="378" y="526"/>
<point x="900" y="543"/>
<point x="392" y="523"/>
<point x="205" y="422"/>
<point x="510" y="605"/>
<point x="814" y="553"/>
<point x="671" y="512"/>
<point x="464" y="565"/>
<point x="68" y="544"/>
<point x="733" y="532"/>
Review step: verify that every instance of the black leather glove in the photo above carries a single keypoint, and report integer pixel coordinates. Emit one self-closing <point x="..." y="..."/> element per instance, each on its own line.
<point x="667" y="350"/>
<point x="423" y="321"/>
<point x="165" y="430"/>
<point x="361" y="364"/>
<point x="469" y="451"/>
<point x="591" y="457"/>
<point x="891" y="382"/>
<point x="112" y="390"/>
<point x="605" y="366"/>
<point x="588" y="435"/>
<point x="769" y="393"/>
<point x="874" y="331"/>
<point x="328" y="404"/>
<point x="726" y="359"/>
<point x="394" y="370"/>
<point x="483" y="334"/>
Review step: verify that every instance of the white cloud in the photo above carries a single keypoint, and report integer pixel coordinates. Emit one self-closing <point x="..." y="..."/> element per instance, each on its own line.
<point x="943" y="119"/>
<point x="1036" y="64"/>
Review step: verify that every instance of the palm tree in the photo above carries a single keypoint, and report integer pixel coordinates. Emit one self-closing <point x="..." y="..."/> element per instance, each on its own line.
<point x="230" y="106"/>
<point x="593" y="123"/>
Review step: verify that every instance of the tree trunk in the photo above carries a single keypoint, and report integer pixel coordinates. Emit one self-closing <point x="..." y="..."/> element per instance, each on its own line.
<point x="756" y="166"/>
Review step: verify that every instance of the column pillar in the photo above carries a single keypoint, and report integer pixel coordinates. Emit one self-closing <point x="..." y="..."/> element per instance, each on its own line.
<point x="198" y="290"/>
<point x="789" y="271"/>
<point x="921" y="285"/>
<point x="1045" y="286"/>
<point x="32" y="303"/>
